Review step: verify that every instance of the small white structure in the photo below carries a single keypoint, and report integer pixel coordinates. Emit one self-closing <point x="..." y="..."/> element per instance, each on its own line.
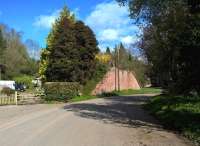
<point x="9" y="84"/>
<point x="37" y="82"/>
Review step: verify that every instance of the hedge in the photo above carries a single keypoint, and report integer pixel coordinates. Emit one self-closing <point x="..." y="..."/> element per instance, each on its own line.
<point x="61" y="91"/>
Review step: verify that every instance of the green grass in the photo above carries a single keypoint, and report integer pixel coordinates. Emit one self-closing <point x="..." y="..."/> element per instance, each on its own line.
<point x="178" y="113"/>
<point x="140" y="91"/>
<point x="82" y="98"/>
<point x="90" y="85"/>
<point x="121" y="93"/>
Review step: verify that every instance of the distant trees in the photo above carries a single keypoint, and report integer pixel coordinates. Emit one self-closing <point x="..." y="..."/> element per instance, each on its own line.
<point x="2" y="47"/>
<point x="128" y="61"/>
<point x="171" y="42"/>
<point x="13" y="55"/>
<point x="108" y="50"/>
<point x="70" y="52"/>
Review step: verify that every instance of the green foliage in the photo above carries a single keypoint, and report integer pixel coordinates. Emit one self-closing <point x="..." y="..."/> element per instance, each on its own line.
<point x="13" y="55"/>
<point x="108" y="50"/>
<point x="70" y="52"/>
<point x="140" y="91"/>
<point x="127" y="61"/>
<point x="101" y="70"/>
<point x="170" y="42"/>
<point x="61" y="91"/>
<point x="86" y="45"/>
<point x="82" y="98"/>
<point x="24" y="79"/>
<point x="61" y="48"/>
<point x="2" y="48"/>
<point x="178" y="112"/>
<point x="7" y="91"/>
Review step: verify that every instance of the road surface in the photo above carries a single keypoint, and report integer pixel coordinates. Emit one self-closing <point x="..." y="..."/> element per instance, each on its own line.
<point x="114" y="121"/>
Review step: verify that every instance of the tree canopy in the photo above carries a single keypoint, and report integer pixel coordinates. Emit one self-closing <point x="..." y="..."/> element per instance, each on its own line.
<point x="13" y="55"/>
<point x="170" y="41"/>
<point x="70" y="52"/>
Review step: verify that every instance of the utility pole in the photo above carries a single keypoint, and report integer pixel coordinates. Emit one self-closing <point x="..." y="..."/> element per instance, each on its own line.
<point x="118" y="67"/>
<point x="115" y="69"/>
<point x="0" y="72"/>
<point x="1" y="68"/>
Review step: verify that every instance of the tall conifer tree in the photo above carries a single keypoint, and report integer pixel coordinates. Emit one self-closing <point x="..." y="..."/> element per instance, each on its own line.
<point x="61" y="44"/>
<point x="86" y="44"/>
<point x="70" y="52"/>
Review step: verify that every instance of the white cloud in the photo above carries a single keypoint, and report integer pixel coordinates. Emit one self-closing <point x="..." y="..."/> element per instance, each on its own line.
<point x="109" y="34"/>
<point x="46" y="21"/>
<point x="128" y="39"/>
<point x="111" y="24"/>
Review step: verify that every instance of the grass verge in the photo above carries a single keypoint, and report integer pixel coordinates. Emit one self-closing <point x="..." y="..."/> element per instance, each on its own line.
<point x="140" y="91"/>
<point x="82" y="98"/>
<point x="121" y="93"/>
<point x="178" y="113"/>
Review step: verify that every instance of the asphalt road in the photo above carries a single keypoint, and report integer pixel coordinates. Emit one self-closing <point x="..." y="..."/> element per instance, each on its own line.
<point x="115" y="121"/>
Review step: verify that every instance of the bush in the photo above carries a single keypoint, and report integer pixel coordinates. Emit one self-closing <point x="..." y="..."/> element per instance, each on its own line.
<point x="7" y="91"/>
<point x="101" y="70"/>
<point x="108" y="94"/>
<point x="61" y="91"/>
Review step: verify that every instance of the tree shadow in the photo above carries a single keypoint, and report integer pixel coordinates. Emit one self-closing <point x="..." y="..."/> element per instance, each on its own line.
<point x="121" y="110"/>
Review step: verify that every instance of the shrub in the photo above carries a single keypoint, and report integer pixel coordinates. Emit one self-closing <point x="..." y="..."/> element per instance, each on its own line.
<point x="108" y="94"/>
<point x="90" y="85"/>
<point x="61" y="91"/>
<point x="7" y="91"/>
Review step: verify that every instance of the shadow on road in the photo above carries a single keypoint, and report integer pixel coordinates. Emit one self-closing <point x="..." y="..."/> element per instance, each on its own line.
<point x="121" y="110"/>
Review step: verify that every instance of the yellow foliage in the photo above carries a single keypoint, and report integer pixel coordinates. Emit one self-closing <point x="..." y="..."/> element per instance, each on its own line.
<point x="43" y="63"/>
<point x="104" y="58"/>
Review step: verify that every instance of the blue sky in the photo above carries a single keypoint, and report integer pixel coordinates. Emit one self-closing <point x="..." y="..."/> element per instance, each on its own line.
<point x="108" y="20"/>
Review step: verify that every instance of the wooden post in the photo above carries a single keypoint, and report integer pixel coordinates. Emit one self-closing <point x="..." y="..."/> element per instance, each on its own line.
<point x="115" y="69"/>
<point x="16" y="97"/>
<point x="0" y="72"/>
<point x="118" y="68"/>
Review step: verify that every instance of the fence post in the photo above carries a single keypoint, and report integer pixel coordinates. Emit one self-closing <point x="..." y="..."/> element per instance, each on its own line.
<point x="16" y="97"/>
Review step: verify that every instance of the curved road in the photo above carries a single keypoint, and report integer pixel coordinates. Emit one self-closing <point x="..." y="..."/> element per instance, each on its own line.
<point x="114" y="121"/>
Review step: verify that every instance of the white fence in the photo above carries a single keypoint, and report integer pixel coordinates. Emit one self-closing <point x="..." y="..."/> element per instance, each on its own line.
<point x="19" y="99"/>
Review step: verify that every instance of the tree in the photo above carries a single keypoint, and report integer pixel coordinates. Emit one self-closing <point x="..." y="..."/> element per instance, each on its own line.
<point x="33" y="49"/>
<point x="61" y="46"/>
<point x="2" y="46"/>
<point x="170" y="41"/>
<point x="70" y="52"/>
<point x="128" y="61"/>
<point x="86" y="45"/>
<point x="14" y="55"/>
<point x="108" y="50"/>
<point x="2" y="50"/>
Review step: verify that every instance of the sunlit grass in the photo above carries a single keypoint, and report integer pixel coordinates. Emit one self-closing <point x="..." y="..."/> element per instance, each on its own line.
<point x="140" y="91"/>
<point x="179" y="113"/>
